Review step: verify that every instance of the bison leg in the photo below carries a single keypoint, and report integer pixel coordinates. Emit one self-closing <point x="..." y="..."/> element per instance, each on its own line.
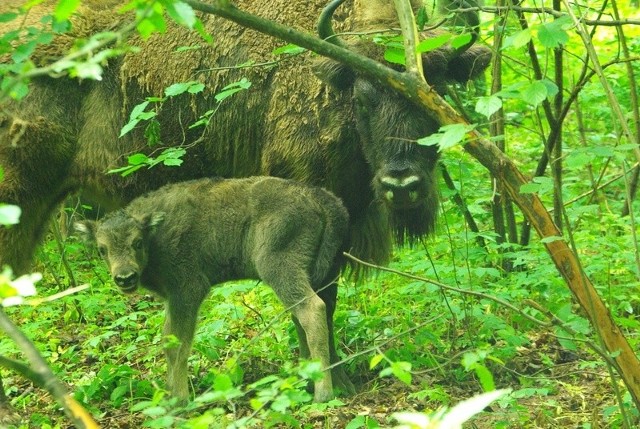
<point x="340" y="379"/>
<point x="35" y="157"/>
<point x="180" y="321"/>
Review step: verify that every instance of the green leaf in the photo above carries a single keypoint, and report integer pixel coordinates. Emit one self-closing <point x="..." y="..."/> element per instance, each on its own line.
<point x="553" y="34"/>
<point x="65" y="8"/>
<point x="551" y="239"/>
<point x="7" y="17"/>
<point x="402" y="371"/>
<point x="85" y="70"/>
<point x="9" y="214"/>
<point x="375" y="361"/>
<point x="134" y="117"/>
<point x="541" y="185"/>
<point x="433" y="43"/>
<point x="182" y="87"/>
<point x="485" y="377"/>
<point x="138" y="159"/>
<point x="181" y="13"/>
<point x="487" y="106"/>
<point x="461" y="40"/>
<point x="518" y="39"/>
<point x="289" y="49"/>
<point x="394" y="55"/>
<point x="231" y="89"/>
<point x="535" y="93"/>
<point x="448" y="136"/>
<point x="222" y="382"/>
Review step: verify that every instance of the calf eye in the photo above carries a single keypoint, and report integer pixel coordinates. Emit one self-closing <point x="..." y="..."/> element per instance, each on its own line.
<point x="137" y="244"/>
<point x="102" y="250"/>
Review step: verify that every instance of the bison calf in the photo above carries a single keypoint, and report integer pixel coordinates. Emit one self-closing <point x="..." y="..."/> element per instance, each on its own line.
<point x="183" y="238"/>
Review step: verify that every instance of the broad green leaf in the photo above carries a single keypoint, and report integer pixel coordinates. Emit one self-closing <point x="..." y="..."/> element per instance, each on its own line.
<point x="553" y="34"/>
<point x="518" y="39"/>
<point x="9" y="214"/>
<point x="65" y="8"/>
<point x="552" y="88"/>
<point x="181" y="13"/>
<point x="402" y="371"/>
<point x="222" y="382"/>
<point x="453" y="135"/>
<point x="461" y="40"/>
<point x="91" y="71"/>
<point x="551" y="239"/>
<point x="448" y="136"/>
<point x="535" y="93"/>
<point x="541" y="185"/>
<point x="394" y="55"/>
<point x="179" y="88"/>
<point x="433" y="43"/>
<point x="487" y="106"/>
<point x="137" y="159"/>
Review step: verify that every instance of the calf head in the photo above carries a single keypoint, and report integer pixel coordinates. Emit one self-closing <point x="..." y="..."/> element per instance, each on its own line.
<point x="123" y="241"/>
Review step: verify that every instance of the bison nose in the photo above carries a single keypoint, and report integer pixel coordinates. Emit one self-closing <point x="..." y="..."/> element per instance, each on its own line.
<point x="127" y="281"/>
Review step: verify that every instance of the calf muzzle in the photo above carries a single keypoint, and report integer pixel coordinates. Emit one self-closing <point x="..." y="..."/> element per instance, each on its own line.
<point x="127" y="281"/>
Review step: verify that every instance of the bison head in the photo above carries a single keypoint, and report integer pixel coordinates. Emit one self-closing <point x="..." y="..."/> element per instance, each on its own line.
<point x="123" y="242"/>
<point x="389" y="125"/>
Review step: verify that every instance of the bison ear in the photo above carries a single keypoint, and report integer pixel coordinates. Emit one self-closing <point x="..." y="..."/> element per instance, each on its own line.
<point x="334" y="73"/>
<point x="86" y="230"/>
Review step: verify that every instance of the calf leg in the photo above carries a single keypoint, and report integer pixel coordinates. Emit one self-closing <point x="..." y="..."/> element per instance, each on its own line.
<point x="291" y="285"/>
<point x="180" y="321"/>
<point x="339" y="377"/>
<point x="311" y="317"/>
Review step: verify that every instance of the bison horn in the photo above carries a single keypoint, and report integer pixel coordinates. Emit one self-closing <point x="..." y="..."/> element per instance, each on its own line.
<point x="325" y="28"/>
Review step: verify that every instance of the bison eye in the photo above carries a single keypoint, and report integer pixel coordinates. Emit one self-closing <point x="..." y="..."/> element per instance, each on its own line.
<point x="102" y="250"/>
<point x="137" y="244"/>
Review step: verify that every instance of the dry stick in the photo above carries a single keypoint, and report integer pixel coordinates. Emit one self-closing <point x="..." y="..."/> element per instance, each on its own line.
<point x="416" y="91"/>
<point x="78" y="415"/>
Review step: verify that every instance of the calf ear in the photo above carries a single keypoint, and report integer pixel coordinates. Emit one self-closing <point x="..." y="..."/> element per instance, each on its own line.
<point x="156" y="219"/>
<point x="86" y="230"/>
<point x="150" y="221"/>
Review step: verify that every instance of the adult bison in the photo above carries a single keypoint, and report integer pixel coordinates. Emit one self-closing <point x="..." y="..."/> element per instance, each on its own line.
<point x="337" y="130"/>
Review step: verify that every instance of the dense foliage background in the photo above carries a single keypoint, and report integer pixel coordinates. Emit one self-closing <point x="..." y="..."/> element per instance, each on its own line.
<point x="478" y="306"/>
